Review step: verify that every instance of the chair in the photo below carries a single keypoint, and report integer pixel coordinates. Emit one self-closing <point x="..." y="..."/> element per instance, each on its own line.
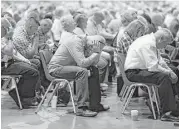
<point x="131" y="86"/>
<point x="13" y="79"/>
<point x="45" y="56"/>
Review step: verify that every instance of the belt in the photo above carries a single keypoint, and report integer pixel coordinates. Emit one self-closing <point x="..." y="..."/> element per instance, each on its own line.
<point x="134" y="70"/>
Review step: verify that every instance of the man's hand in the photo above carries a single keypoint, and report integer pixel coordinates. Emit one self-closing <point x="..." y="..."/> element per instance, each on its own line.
<point x="96" y="43"/>
<point x="36" y="57"/>
<point x="27" y="61"/>
<point x="173" y="77"/>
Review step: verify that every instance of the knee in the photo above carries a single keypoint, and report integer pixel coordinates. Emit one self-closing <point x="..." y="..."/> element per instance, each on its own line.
<point x="102" y="63"/>
<point x="106" y="56"/>
<point x="33" y="72"/>
<point x="165" y="78"/>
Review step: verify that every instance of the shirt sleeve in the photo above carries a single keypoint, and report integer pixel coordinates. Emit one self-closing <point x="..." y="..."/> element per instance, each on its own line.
<point x="20" y="46"/>
<point x="77" y="52"/>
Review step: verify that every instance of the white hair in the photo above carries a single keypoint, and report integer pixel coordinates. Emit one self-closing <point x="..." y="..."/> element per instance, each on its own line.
<point x="66" y="21"/>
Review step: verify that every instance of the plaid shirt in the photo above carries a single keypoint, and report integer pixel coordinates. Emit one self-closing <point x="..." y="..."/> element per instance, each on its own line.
<point x="22" y="41"/>
<point x="123" y="43"/>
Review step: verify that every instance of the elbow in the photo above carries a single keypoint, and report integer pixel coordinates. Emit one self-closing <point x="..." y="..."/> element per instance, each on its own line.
<point x="82" y="64"/>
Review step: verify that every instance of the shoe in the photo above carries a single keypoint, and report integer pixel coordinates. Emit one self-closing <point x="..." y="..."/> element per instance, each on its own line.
<point x="100" y="108"/>
<point x="103" y="86"/>
<point x="86" y="113"/>
<point x="13" y="95"/>
<point x="103" y="108"/>
<point x="169" y="118"/>
<point x="38" y="97"/>
<point x="30" y="101"/>
<point x="175" y="113"/>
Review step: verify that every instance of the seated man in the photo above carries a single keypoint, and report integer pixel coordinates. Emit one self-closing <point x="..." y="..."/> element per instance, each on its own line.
<point x="23" y="38"/>
<point x="13" y="63"/>
<point x="144" y="64"/>
<point x="41" y="34"/>
<point x="69" y="62"/>
<point x="94" y="27"/>
<point x="27" y="46"/>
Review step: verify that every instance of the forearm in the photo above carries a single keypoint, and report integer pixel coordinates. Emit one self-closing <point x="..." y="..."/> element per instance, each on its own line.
<point x="164" y="70"/>
<point x="18" y="56"/>
<point x="106" y="35"/>
<point x="89" y="61"/>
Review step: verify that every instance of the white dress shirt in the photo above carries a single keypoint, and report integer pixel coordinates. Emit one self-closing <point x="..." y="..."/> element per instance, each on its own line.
<point x="143" y="54"/>
<point x="57" y="29"/>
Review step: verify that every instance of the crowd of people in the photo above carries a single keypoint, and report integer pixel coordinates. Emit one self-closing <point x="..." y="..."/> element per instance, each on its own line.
<point x="87" y="40"/>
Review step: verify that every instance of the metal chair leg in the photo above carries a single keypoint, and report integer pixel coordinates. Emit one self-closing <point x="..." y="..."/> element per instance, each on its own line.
<point x="150" y="97"/>
<point x="129" y="98"/>
<point x="72" y="99"/>
<point x="17" y="92"/>
<point x="127" y="94"/>
<point x="39" y="106"/>
<point x="124" y="93"/>
<point x="156" y="100"/>
<point x="54" y="90"/>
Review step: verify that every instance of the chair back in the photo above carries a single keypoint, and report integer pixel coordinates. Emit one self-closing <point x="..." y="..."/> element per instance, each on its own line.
<point x="121" y="61"/>
<point x="45" y="56"/>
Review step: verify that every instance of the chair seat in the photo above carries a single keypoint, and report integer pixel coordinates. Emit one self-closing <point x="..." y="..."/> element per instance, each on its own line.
<point x="10" y="76"/>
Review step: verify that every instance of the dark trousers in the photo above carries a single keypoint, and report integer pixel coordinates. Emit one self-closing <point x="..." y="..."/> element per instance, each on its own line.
<point x="36" y="63"/>
<point x="28" y="82"/>
<point x="166" y="94"/>
<point x="175" y="86"/>
<point x="94" y="88"/>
